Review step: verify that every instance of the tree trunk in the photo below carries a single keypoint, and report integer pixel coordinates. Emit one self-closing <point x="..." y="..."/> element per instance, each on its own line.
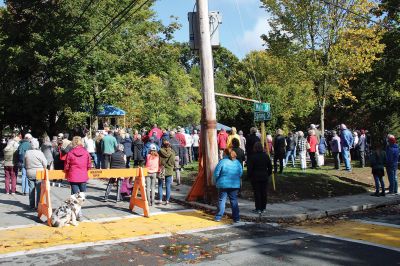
<point x="322" y="110"/>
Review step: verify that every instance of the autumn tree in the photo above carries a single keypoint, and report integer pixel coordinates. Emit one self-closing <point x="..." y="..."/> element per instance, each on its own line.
<point x="334" y="41"/>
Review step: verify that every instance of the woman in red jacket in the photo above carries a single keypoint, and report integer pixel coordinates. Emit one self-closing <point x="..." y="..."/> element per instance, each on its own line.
<point x="312" y="147"/>
<point x="76" y="167"/>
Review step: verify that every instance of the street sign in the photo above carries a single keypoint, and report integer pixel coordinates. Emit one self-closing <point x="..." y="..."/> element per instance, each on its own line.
<point x="262" y="107"/>
<point x="262" y="116"/>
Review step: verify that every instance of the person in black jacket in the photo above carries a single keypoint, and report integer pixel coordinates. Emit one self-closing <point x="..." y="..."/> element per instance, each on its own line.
<point x="137" y="149"/>
<point x="251" y="140"/>
<point x="259" y="169"/>
<point x="118" y="161"/>
<point x="279" y="150"/>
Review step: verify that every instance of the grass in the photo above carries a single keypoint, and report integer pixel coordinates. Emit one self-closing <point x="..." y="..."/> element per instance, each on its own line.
<point x="294" y="184"/>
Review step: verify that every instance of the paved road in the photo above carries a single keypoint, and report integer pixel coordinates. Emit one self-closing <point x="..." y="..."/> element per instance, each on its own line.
<point x="200" y="242"/>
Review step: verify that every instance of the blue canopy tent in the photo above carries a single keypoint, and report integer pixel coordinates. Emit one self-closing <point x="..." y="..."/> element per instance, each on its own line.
<point x="111" y="111"/>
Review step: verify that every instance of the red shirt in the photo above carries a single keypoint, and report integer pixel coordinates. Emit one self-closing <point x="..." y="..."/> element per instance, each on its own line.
<point x="222" y="139"/>
<point x="181" y="138"/>
<point x="312" y="140"/>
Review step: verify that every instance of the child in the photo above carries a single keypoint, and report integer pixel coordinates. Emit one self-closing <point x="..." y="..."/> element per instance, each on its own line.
<point x="153" y="167"/>
<point x="378" y="161"/>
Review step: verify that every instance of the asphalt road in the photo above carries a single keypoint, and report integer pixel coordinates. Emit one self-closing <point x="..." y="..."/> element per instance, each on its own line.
<point x="250" y="244"/>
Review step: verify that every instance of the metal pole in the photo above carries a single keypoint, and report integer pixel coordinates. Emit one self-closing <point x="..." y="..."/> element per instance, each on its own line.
<point x="209" y="117"/>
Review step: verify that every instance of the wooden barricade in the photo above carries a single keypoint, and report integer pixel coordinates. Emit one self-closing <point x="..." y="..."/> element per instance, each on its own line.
<point x="44" y="206"/>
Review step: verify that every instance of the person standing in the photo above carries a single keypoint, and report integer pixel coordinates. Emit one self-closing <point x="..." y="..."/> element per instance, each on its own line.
<point x="176" y="147"/>
<point x="362" y="147"/>
<point x="47" y="149"/>
<point x="109" y="146"/>
<point x="302" y="148"/>
<point x="259" y="169"/>
<point x="180" y="136"/>
<point x="118" y="161"/>
<point x="336" y="149"/>
<point x="153" y="167"/>
<point x="392" y="160"/>
<point x="232" y="136"/>
<point x="90" y="146"/>
<point x="378" y="161"/>
<point x="279" y="150"/>
<point x="222" y="139"/>
<point x="188" y="147"/>
<point x="127" y="142"/>
<point x="321" y="151"/>
<point x="99" y="150"/>
<point x="226" y="177"/>
<point x="346" y="142"/>
<point x="11" y="166"/>
<point x="252" y="138"/>
<point x="196" y="143"/>
<point x="240" y="156"/>
<point x="138" y="148"/>
<point x="158" y="132"/>
<point x="242" y="141"/>
<point x="34" y="160"/>
<point x="167" y="162"/>
<point x="23" y="147"/>
<point x="312" y="147"/>
<point x="290" y="148"/>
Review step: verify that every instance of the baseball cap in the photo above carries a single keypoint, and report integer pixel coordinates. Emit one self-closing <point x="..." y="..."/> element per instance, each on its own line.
<point x="153" y="147"/>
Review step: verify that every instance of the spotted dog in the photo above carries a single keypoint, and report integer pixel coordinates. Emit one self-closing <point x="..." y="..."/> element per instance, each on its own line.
<point x="69" y="211"/>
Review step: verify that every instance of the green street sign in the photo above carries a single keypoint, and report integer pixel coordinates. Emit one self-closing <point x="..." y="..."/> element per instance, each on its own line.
<point x="262" y="107"/>
<point x="262" y="116"/>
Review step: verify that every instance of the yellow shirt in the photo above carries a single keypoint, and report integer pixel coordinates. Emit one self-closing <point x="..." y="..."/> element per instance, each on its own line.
<point x="230" y="138"/>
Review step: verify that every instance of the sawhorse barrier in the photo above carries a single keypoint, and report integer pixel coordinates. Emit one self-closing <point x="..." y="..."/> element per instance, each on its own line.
<point x="44" y="206"/>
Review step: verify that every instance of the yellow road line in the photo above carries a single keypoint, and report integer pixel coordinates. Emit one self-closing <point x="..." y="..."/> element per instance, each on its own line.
<point x="373" y="233"/>
<point x="38" y="237"/>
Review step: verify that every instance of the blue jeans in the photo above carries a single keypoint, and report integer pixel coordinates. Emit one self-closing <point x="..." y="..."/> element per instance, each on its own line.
<point x="346" y="158"/>
<point x="77" y="187"/>
<point x="168" y="181"/>
<point x="24" y="181"/>
<point x="392" y="176"/>
<point x="34" y="192"/>
<point x="99" y="160"/>
<point x="379" y="181"/>
<point x="232" y="194"/>
<point x="94" y="157"/>
<point x="292" y="155"/>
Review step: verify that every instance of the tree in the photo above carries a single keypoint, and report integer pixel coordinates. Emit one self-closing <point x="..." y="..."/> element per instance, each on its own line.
<point x="335" y="38"/>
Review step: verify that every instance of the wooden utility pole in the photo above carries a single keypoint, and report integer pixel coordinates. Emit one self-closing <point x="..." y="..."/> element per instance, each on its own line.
<point x="208" y="112"/>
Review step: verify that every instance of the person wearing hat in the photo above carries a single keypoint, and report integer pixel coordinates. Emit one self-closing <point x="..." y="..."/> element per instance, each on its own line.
<point x="392" y="159"/>
<point x="153" y="167"/>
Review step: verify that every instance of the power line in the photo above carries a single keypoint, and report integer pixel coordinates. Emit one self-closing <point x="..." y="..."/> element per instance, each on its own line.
<point x="115" y="27"/>
<point x="82" y="13"/>
<point x="128" y="7"/>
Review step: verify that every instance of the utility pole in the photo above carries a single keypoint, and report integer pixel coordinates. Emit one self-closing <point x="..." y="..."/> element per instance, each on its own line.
<point x="208" y="112"/>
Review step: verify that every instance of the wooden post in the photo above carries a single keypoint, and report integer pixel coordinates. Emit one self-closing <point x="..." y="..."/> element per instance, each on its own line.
<point x="209" y="118"/>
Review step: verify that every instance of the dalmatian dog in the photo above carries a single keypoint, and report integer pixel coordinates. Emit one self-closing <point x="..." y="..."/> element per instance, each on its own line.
<point x="69" y="212"/>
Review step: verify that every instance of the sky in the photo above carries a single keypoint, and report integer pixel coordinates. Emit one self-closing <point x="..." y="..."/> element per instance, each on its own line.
<point x="243" y="21"/>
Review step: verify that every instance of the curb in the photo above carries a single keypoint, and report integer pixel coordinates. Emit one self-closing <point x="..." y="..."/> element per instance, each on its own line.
<point x="291" y="218"/>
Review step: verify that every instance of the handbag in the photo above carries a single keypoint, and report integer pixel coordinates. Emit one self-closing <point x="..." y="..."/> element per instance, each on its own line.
<point x="161" y="174"/>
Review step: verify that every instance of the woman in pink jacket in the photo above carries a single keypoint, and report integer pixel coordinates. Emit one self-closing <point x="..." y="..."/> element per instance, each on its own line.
<point x="153" y="167"/>
<point x="76" y="166"/>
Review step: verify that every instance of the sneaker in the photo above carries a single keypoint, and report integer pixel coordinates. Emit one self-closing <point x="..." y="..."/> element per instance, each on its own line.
<point x="158" y="202"/>
<point x="12" y="193"/>
<point x="256" y="211"/>
<point x="237" y="221"/>
<point x="166" y="203"/>
<point x="375" y="194"/>
<point x="217" y="219"/>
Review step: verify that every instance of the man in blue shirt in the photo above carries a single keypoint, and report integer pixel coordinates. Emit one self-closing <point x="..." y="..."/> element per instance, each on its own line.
<point x="346" y="141"/>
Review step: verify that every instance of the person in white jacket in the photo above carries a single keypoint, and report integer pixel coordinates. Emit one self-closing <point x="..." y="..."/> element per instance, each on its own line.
<point x="34" y="160"/>
<point x="189" y="143"/>
<point x="89" y="144"/>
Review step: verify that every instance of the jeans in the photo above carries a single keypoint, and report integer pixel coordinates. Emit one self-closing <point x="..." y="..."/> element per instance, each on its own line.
<point x="24" y="181"/>
<point x="11" y="179"/>
<point x="107" y="161"/>
<point x="34" y="192"/>
<point x="303" y="157"/>
<point x="77" y="187"/>
<point x="94" y="157"/>
<point x="151" y="187"/>
<point x="346" y="158"/>
<point x="379" y="180"/>
<point x="260" y="194"/>
<point x="168" y="181"/>
<point x="232" y="193"/>
<point x="99" y="161"/>
<point x="336" y="158"/>
<point x="392" y="176"/>
<point x="111" y="181"/>
<point x="290" y="154"/>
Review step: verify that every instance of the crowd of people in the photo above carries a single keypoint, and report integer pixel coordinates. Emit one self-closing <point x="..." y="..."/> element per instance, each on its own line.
<point x="165" y="153"/>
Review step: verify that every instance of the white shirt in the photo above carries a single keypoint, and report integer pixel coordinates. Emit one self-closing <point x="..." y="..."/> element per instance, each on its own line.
<point x="189" y="140"/>
<point x="196" y="140"/>
<point x="89" y="144"/>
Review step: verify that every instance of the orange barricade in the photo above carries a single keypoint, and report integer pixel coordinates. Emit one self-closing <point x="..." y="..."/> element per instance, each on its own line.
<point x="44" y="206"/>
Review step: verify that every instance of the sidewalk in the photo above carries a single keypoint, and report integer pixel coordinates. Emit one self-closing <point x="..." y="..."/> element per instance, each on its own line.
<point x="296" y="211"/>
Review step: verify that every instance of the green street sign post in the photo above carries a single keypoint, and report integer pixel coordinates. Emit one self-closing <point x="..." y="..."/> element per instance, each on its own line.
<point x="262" y="112"/>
